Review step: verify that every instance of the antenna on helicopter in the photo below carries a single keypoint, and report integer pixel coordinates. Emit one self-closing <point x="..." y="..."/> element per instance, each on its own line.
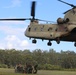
<point x="67" y="4"/>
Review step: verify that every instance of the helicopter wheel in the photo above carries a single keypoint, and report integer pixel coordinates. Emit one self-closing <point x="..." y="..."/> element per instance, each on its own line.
<point x="49" y="43"/>
<point x="34" y="41"/>
<point x="57" y="40"/>
<point x="75" y="44"/>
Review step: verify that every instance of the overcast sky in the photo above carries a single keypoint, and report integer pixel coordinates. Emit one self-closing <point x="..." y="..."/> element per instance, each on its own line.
<point x="12" y="33"/>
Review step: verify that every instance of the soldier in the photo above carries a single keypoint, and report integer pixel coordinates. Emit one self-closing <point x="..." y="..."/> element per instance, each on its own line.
<point x="19" y="68"/>
<point x="35" y="67"/>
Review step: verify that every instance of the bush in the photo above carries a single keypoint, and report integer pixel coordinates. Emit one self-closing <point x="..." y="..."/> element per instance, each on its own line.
<point x="49" y="67"/>
<point x="3" y="66"/>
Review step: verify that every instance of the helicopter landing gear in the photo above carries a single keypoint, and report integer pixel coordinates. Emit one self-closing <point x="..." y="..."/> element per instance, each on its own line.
<point x="57" y="40"/>
<point x="34" y="41"/>
<point x="75" y="44"/>
<point x="49" y="43"/>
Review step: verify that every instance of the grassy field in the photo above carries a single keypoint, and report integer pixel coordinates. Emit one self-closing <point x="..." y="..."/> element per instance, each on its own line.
<point x="40" y="72"/>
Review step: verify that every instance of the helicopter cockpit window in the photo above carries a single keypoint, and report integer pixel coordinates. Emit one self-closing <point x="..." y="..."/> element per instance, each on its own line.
<point x="56" y="29"/>
<point x="49" y="29"/>
<point x="29" y="29"/>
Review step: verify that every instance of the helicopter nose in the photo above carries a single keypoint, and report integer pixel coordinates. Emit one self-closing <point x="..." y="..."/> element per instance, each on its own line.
<point x="26" y="33"/>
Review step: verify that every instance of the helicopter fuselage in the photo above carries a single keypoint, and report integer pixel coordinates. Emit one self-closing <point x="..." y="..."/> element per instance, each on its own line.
<point x="50" y="32"/>
<point x="45" y="31"/>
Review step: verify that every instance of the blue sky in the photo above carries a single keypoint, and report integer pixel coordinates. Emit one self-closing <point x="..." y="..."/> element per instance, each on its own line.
<point x="12" y="33"/>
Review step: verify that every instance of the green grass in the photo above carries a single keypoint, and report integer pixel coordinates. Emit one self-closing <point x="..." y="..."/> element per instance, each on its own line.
<point x="40" y="72"/>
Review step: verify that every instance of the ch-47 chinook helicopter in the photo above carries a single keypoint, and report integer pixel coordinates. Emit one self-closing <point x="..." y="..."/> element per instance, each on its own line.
<point x="63" y="30"/>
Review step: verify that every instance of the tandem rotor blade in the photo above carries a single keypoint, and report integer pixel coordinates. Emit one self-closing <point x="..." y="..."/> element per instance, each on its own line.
<point x="33" y="9"/>
<point x="67" y="3"/>
<point x="12" y="19"/>
<point x="45" y="21"/>
<point x="15" y="19"/>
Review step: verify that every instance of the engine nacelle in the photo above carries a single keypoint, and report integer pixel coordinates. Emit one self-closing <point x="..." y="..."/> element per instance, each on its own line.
<point x="60" y="21"/>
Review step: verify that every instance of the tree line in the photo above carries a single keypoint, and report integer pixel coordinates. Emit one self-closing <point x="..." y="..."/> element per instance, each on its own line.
<point x="45" y="59"/>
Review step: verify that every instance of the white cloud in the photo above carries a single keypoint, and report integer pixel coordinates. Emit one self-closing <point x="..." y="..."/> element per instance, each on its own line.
<point x="13" y="27"/>
<point x="15" y="42"/>
<point x="14" y="3"/>
<point x="2" y="46"/>
<point x="24" y="43"/>
<point x="11" y="30"/>
<point x="9" y="45"/>
<point x="12" y="41"/>
<point x="13" y="37"/>
<point x="12" y="22"/>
